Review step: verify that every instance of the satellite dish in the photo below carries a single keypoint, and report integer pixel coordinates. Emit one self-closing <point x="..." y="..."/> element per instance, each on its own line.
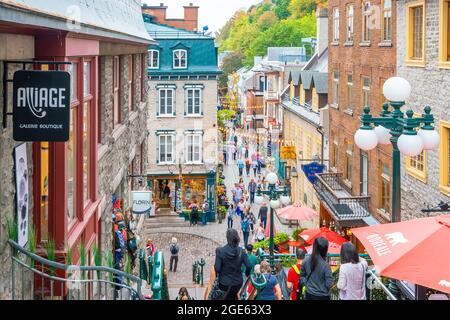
<point x="205" y="28"/>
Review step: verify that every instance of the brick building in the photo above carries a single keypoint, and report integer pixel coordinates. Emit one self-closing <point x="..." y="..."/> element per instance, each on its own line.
<point x="70" y="184"/>
<point x="425" y="63"/>
<point x="362" y="55"/>
<point x="159" y="15"/>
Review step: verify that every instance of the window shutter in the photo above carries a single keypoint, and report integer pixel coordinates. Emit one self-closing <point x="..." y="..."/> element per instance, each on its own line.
<point x="157" y="149"/>
<point x="185" y="101"/>
<point x="201" y="103"/>
<point x="174" y="148"/>
<point x="158" y="100"/>
<point x="174" y="101"/>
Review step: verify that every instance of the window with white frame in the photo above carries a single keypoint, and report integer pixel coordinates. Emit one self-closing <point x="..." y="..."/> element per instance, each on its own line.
<point x="193" y="101"/>
<point x="366" y="15"/>
<point x="350" y="15"/>
<point x="153" y="59"/>
<point x="194" y="148"/>
<point x="166" y="97"/>
<point x="166" y="144"/>
<point x="335" y="25"/>
<point x="180" y="59"/>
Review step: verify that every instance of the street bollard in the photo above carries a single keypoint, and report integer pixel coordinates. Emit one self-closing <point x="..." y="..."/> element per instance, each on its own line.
<point x="202" y="264"/>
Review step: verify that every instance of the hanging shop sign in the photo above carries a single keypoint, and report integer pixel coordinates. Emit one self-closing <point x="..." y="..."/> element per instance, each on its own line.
<point x="311" y="169"/>
<point x="41" y="105"/>
<point x="141" y="202"/>
<point x="21" y="170"/>
<point x="288" y="153"/>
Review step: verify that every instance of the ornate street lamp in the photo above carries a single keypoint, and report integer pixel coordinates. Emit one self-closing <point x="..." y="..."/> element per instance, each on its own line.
<point x="276" y="198"/>
<point x="393" y="127"/>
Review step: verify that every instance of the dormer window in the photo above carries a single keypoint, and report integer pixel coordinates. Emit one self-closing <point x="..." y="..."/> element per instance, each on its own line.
<point x="180" y="59"/>
<point x="153" y="59"/>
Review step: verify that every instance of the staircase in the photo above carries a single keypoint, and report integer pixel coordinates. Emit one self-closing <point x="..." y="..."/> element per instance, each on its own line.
<point x="165" y="219"/>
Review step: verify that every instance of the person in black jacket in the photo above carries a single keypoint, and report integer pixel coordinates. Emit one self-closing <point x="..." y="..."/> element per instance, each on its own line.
<point x="316" y="273"/>
<point x="229" y="260"/>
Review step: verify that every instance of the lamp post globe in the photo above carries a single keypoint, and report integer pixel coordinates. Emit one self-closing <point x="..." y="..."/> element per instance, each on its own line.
<point x="397" y="89"/>
<point x="285" y="200"/>
<point x="259" y="200"/>
<point x="272" y="178"/>
<point x="430" y="138"/>
<point x="410" y="144"/>
<point x="383" y="135"/>
<point x="275" y="204"/>
<point x="366" y="139"/>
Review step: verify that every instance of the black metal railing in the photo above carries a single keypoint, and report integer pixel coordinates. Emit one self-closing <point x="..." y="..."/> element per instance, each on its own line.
<point x="331" y="189"/>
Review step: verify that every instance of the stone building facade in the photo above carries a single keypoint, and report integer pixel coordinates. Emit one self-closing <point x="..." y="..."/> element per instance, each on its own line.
<point x="182" y="118"/>
<point x="362" y="55"/>
<point x="122" y="151"/>
<point x="425" y="178"/>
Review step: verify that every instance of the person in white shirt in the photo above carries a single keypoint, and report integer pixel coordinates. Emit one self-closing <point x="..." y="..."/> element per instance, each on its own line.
<point x="352" y="274"/>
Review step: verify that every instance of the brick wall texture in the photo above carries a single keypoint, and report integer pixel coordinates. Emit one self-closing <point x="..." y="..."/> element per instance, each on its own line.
<point x="376" y="61"/>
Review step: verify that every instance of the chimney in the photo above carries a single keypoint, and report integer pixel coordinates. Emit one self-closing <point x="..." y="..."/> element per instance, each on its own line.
<point x="159" y="13"/>
<point x="191" y="17"/>
<point x="322" y="29"/>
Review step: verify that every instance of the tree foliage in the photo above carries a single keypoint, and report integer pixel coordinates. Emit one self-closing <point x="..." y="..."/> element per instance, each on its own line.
<point x="230" y="64"/>
<point x="276" y="23"/>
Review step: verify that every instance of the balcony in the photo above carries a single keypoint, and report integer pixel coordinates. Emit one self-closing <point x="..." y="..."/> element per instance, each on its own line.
<point x="271" y="95"/>
<point x="348" y="210"/>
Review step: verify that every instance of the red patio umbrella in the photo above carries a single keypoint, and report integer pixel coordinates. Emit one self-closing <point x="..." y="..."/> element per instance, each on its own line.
<point x="333" y="248"/>
<point x="416" y="251"/>
<point x="297" y="212"/>
<point x="311" y="234"/>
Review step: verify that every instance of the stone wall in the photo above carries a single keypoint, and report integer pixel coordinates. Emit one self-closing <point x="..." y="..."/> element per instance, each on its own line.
<point x="430" y="86"/>
<point x="13" y="47"/>
<point x="180" y="123"/>
<point x="119" y="145"/>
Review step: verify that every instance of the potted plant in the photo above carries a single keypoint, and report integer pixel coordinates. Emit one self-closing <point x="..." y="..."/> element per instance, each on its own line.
<point x="296" y="235"/>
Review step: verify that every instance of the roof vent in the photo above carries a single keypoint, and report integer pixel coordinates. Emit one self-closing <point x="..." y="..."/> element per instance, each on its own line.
<point x="161" y="4"/>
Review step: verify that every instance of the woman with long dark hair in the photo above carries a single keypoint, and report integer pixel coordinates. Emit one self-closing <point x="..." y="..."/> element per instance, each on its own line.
<point x="352" y="274"/>
<point x="228" y="266"/>
<point x="316" y="273"/>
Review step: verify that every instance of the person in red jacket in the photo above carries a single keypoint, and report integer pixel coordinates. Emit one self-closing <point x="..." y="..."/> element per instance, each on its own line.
<point x="294" y="273"/>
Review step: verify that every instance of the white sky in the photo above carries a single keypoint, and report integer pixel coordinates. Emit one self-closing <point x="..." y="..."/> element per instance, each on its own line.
<point x="212" y="13"/>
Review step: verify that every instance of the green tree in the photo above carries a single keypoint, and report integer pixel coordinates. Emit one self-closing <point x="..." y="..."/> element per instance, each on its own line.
<point x="299" y="8"/>
<point x="267" y="20"/>
<point x="224" y="116"/>
<point x="282" y="9"/>
<point x="229" y="65"/>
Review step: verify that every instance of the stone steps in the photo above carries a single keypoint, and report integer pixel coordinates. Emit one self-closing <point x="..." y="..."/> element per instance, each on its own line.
<point x="165" y="221"/>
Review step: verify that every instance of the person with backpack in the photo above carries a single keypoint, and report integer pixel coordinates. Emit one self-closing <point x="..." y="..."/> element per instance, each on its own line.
<point x="205" y="211"/>
<point x="352" y="274"/>
<point x="194" y="213"/>
<point x="252" y="188"/>
<point x="174" y="249"/>
<point x="315" y="274"/>
<point x="228" y="263"/>
<point x="293" y="277"/>
<point x="230" y="216"/>
<point x="272" y="290"/>
<point x="245" y="225"/>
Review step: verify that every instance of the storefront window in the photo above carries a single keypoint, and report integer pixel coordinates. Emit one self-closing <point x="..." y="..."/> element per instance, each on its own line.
<point x="86" y="153"/>
<point x="194" y="190"/>
<point x="44" y="190"/>
<point x="87" y="78"/>
<point x="72" y="69"/>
